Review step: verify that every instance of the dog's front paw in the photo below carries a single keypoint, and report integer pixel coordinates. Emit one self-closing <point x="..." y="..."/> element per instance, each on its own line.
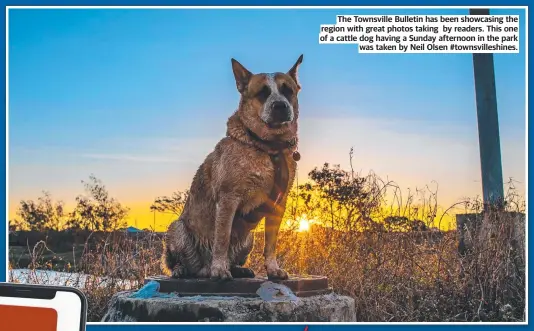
<point x="277" y="274"/>
<point x="219" y="272"/>
<point x="240" y="272"/>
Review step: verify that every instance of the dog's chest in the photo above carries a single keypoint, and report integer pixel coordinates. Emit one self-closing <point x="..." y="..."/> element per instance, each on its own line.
<point x="271" y="178"/>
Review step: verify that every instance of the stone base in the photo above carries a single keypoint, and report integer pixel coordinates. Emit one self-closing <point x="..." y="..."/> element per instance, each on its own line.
<point x="320" y="308"/>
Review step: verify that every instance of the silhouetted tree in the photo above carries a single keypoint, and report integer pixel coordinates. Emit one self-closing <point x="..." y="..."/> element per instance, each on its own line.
<point x="40" y="215"/>
<point x="96" y="210"/>
<point x="345" y="200"/>
<point x="16" y="224"/>
<point x="402" y="223"/>
<point x="173" y="204"/>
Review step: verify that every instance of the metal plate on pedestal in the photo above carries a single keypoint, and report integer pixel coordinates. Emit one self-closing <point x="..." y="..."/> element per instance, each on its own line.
<point x="301" y="286"/>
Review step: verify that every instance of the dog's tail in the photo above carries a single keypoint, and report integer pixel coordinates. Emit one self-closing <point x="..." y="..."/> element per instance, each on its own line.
<point x="168" y="261"/>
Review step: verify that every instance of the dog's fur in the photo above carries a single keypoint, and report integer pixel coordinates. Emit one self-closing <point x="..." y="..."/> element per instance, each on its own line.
<point x="230" y="192"/>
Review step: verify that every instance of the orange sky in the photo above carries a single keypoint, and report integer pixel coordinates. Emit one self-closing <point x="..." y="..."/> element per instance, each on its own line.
<point x="449" y="163"/>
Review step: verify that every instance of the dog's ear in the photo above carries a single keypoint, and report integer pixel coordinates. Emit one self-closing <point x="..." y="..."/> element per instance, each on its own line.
<point x="241" y="74"/>
<point x="293" y="72"/>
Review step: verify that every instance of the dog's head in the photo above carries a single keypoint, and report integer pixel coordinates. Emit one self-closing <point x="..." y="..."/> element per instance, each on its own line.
<point x="269" y="101"/>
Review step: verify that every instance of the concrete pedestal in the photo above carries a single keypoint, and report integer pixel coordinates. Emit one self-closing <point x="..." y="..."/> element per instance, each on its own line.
<point x="320" y="308"/>
<point x="299" y="299"/>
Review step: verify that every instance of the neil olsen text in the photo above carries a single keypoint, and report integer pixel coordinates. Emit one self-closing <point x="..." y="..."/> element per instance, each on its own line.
<point x="450" y="47"/>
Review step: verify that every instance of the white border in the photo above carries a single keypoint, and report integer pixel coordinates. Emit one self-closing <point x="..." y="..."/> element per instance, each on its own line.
<point x="286" y="7"/>
<point x="526" y="164"/>
<point x="66" y="304"/>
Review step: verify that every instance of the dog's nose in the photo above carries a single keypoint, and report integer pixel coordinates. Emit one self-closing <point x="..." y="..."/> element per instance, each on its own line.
<point x="280" y="105"/>
<point x="281" y="111"/>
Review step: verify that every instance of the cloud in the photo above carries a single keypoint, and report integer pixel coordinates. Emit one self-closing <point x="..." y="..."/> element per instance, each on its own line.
<point x="154" y="150"/>
<point x="133" y="158"/>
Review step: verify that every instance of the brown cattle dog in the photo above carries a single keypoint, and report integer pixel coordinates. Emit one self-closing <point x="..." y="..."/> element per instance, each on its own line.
<point x="245" y="179"/>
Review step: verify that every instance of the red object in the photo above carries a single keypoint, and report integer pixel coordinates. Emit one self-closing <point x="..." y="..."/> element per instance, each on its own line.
<point x="19" y="318"/>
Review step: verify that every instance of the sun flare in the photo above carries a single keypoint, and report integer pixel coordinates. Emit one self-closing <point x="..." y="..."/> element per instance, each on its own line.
<point x="304" y="225"/>
<point x="300" y="224"/>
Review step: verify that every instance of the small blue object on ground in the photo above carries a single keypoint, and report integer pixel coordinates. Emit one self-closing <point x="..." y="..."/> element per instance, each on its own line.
<point x="270" y="291"/>
<point x="150" y="290"/>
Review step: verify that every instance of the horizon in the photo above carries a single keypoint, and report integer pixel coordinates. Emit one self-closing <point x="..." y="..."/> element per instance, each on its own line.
<point x="114" y="93"/>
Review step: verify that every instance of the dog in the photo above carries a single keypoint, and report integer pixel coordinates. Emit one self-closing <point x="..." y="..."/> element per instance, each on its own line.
<point x="245" y="179"/>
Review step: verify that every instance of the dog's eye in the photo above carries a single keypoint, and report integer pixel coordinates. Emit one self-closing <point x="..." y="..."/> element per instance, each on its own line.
<point x="286" y="91"/>
<point x="264" y="93"/>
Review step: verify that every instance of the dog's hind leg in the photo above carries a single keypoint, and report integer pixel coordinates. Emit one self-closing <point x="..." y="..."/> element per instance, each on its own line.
<point x="170" y="264"/>
<point x="182" y="254"/>
<point x="236" y="269"/>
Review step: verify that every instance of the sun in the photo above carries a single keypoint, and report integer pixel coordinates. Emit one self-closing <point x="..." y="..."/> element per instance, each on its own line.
<point x="304" y="225"/>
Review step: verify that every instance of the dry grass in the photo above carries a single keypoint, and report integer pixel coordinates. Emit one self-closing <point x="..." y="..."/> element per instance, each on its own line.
<point x="401" y="275"/>
<point x="406" y="277"/>
<point x="106" y="267"/>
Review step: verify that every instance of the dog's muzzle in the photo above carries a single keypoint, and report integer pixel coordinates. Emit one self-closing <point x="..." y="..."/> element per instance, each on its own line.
<point x="281" y="112"/>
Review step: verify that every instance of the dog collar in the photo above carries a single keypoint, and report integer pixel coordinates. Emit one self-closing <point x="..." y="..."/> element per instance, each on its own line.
<point x="278" y="146"/>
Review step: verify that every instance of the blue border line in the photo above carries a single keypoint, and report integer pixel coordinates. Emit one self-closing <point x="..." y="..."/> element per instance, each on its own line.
<point x="268" y="3"/>
<point x="296" y="327"/>
<point x="3" y="253"/>
<point x="489" y="3"/>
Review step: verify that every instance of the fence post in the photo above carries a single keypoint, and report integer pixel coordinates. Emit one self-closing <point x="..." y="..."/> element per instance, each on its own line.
<point x="488" y="125"/>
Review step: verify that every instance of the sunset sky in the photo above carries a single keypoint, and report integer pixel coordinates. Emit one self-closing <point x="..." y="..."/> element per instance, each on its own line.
<point x="139" y="98"/>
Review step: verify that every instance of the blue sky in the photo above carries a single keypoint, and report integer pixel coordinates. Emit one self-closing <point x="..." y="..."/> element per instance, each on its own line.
<point x="140" y="97"/>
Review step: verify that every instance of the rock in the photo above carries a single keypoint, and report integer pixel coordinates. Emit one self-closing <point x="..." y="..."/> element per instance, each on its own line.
<point x="270" y="291"/>
<point x="173" y="308"/>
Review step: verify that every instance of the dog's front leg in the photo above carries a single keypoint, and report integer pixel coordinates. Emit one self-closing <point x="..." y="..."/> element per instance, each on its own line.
<point x="225" y="211"/>
<point x="272" y="225"/>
